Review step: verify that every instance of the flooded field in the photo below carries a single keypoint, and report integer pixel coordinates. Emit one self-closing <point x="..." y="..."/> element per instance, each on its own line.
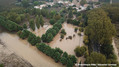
<point x="29" y="53"/>
<point x="68" y="45"/>
<point x="41" y="30"/>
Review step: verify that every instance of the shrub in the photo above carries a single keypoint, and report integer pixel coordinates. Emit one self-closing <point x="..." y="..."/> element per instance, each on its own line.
<point x="1" y="65"/>
<point x="76" y="29"/>
<point x="80" y="51"/>
<point x="63" y="60"/>
<point x="86" y="41"/>
<point x="62" y="36"/>
<point x="25" y="26"/>
<point x="79" y="33"/>
<point x="33" y="40"/>
<point x="32" y="24"/>
<point x="69" y="63"/>
<point x="52" y="21"/>
<point x="81" y="29"/>
<point x="23" y="34"/>
<point x="63" y="31"/>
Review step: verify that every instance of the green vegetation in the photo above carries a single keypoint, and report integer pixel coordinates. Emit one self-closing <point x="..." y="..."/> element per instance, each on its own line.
<point x="9" y="25"/>
<point x="57" y="54"/>
<point x="80" y="51"/>
<point x="112" y="11"/>
<point x="81" y="29"/>
<point x="99" y="33"/>
<point x="23" y="34"/>
<point x="63" y="31"/>
<point x="52" y="21"/>
<point x="41" y="20"/>
<point x="75" y="29"/>
<point x="25" y="26"/>
<point x="96" y="58"/>
<point x="32" y="39"/>
<point x="1" y="65"/>
<point x="86" y="41"/>
<point x="25" y="3"/>
<point x="70" y="15"/>
<point x="50" y="33"/>
<point x="74" y="22"/>
<point x="32" y="24"/>
<point x="99" y="24"/>
<point x="37" y="22"/>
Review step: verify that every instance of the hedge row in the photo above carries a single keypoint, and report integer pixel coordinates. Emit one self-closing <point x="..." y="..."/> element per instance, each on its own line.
<point x="32" y="38"/>
<point x="9" y="25"/>
<point x="50" y="33"/>
<point x="57" y="54"/>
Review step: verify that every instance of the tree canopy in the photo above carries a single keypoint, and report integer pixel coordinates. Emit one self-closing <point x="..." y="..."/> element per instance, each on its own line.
<point x="99" y="30"/>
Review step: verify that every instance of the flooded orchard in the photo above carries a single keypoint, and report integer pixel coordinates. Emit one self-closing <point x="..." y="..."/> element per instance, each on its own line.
<point x="29" y="53"/>
<point x="68" y="45"/>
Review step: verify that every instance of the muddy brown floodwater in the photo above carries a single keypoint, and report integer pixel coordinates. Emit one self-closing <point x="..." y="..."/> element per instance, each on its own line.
<point x="29" y="53"/>
<point x="68" y="45"/>
<point x="41" y="30"/>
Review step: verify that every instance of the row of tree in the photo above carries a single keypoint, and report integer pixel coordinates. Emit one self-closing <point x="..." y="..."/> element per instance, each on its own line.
<point x="57" y="54"/>
<point x="32" y="38"/>
<point x="38" y="22"/>
<point x="9" y="25"/>
<point x="50" y="33"/>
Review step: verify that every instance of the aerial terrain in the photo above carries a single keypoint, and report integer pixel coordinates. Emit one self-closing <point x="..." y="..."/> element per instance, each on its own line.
<point x="59" y="33"/>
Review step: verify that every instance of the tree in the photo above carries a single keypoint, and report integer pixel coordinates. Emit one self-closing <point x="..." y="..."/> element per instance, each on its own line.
<point x="57" y="17"/>
<point x="70" y="14"/>
<point x="25" y="3"/>
<point x="18" y="19"/>
<point x="57" y="56"/>
<point x="96" y="58"/>
<point x="37" y="22"/>
<point x="35" y="3"/>
<point x="9" y="25"/>
<point x="52" y="21"/>
<point x="107" y="49"/>
<point x="43" y="38"/>
<point x="49" y="37"/>
<point x="63" y="31"/>
<point x="73" y="59"/>
<point x="82" y="2"/>
<point x="41" y="20"/>
<point x="99" y="30"/>
<point x="69" y="63"/>
<point x="25" y="26"/>
<point x="80" y="51"/>
<point x="63" y="60"/>
<point x="23" y="34"/>
<point x="32" y="24"/>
